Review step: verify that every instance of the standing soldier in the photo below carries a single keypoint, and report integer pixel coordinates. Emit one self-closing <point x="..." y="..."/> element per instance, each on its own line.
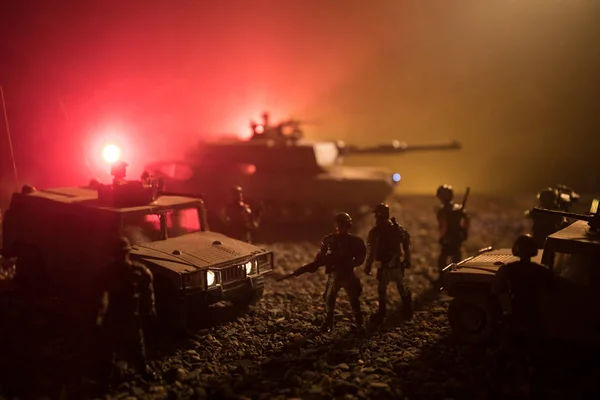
<point x="127" y="303"/>
<point x="545" y="224"/>
<point x="519" y="285"/>
<point x="240" y="219"/>
<point x="453" y="224"/>
<point x="346" y="252"/>
<point x="387" y="243"/>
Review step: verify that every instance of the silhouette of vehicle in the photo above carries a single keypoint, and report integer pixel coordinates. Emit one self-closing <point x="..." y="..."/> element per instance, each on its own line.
<point x="569" y="310"/>
<point x="292" y="179"/>
<point x="63" y="238"/>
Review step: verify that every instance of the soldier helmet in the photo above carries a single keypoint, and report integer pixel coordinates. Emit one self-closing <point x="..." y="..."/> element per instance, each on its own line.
<point x="525" y="247"/>
<point x="445" y="193"/>
<point x="343" y="219"/>
<point x="382" y="210"/>
<point x="547" y="197"/>
<point x="27" y="189"/>
<point x="122" y="245"/>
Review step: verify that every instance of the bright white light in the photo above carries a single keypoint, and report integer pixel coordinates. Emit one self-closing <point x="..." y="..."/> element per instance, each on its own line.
<point x="210" y="278"/>
<point x="396" y="177"/>
<point x="111" y="153"/>
<point x="248" y="268"/>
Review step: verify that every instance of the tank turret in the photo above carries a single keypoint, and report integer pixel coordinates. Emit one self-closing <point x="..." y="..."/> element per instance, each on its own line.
<point x="593" y="218"/>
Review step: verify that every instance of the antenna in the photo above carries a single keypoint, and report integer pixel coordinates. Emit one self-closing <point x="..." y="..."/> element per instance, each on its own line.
<point x="12" y="153"/>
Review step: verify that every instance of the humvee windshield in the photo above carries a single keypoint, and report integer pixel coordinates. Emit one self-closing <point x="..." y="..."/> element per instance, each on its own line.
<point x="151" y="227"/>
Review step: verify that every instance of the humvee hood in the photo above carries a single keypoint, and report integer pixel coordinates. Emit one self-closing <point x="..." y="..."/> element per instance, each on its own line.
<point x="488" y="263"/>
<point x="198" y="250"/>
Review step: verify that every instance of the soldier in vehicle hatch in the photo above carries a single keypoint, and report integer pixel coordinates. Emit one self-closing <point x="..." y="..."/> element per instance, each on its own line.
<point x="344" y="252"/>
<point x="239" y="218"/>
<point x="453" y="224"/>
<point x="389" y="244"/>
<point x="545" y="224"/>
<point x="127" y="304"/>
<point x="519" y="285"/>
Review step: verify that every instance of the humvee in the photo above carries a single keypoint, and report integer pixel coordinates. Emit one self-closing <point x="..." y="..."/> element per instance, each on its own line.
<point x="61" y="239"/>
<point x="573" y="256"/>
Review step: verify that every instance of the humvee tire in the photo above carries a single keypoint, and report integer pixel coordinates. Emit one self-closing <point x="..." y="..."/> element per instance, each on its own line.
<point x="474" y="317"/>
<point x="29" y="268"/>
<point x="248" y="300"/>
<point x="172" y="313"/>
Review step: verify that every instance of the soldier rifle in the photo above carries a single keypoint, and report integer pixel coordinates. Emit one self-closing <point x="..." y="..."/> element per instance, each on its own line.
<point x="310" y="267"/>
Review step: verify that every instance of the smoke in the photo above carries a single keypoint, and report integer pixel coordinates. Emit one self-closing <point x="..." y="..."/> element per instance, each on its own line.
<point x="515" y="82"/>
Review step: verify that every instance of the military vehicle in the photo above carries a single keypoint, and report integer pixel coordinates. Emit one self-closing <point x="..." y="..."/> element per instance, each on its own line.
<point x="61" y="239"/>
<point x="569" y="309"/>
<point x="293" y="179"/>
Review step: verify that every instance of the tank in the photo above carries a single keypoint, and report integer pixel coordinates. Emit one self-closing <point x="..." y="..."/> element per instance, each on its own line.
<point x="293" y="179"/>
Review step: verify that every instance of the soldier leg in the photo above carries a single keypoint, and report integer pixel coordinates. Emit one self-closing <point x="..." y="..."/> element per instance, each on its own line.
<point x="331" y="293"/>
<point x="383" y="279"/>
<point x="354" y="289"/>
<point x="403" y="289"/>
<point x="141" y="356"/>
<point x="456" y="253"/>
<point x="442" y="259"/>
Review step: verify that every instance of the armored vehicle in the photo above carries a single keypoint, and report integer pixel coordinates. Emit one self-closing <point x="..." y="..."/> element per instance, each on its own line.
<point x="293" y="179"/>
<point x="61" y="239"/>
<point x="569" y="310"/>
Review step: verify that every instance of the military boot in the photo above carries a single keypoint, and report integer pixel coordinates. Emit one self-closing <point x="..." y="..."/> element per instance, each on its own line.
<point x="328" y="324"/>
<point x="379" y="316"/>
<point x="360" y="324"/>
<point x="407" y="306"/>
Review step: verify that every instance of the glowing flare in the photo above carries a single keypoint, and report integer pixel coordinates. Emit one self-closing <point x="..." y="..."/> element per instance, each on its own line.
<point x="111" y="153"/>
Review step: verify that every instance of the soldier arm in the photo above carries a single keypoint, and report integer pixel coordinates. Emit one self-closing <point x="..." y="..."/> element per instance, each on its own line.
<point x="371" y="249"/>
<point x="466" y="221"/>
<point x="104" y="302"/>
<point x="148" y="301"/>
<point x="406" y="248"/>
<point x="361" y="252"/>
<point x="442" y="223"/>
<point x="323" y="249"/>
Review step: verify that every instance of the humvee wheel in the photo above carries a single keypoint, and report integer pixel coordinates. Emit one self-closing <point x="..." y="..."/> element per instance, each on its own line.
<point x="250" y="299"/>
<point x="473" y="318"/>
<point x="29" y="269"/>
<point x="172" y="312"/>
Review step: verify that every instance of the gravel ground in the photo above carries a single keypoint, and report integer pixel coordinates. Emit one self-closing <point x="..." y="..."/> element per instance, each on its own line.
<point x="276" y="351"/>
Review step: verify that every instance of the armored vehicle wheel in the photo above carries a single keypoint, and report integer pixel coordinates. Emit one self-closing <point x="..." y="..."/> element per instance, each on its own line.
<point x="172" y="312"/>
<point x="473" y="317"/>
<point x="29" y="269"/>
<point x="248" y="300"/>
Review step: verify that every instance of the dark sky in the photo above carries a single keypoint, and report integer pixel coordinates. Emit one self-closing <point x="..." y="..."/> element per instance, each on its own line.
<point x="518" y="83"/>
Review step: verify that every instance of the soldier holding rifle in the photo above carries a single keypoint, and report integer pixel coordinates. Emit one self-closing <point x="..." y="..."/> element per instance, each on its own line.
<point x="453" y="225"/>
<point x="340" y="253"/>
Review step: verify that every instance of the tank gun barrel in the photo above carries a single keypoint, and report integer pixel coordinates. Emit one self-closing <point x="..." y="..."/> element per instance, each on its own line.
<point x="396" y="147"/>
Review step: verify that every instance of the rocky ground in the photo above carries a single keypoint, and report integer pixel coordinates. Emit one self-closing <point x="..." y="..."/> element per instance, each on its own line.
<point x="276" y="351"/>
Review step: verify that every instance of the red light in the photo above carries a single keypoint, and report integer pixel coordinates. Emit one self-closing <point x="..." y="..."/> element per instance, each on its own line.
<point x="260" y="129"/>
<point x="111" y="153"/>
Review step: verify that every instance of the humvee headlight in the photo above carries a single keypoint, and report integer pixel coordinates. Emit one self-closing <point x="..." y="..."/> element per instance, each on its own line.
<point x="248" y="267"/>
<point x="210" y="278"/>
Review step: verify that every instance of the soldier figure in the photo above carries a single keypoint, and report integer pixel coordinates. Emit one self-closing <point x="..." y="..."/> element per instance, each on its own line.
<point x="239" y="216"/>
<point x="545" y="224"/>
<point x="127" y="303"/>
<point x="453" y="226"/>
<point x="348" y="252"/>
<point x="519" y="284"/>
<point x="386" y="243"/>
